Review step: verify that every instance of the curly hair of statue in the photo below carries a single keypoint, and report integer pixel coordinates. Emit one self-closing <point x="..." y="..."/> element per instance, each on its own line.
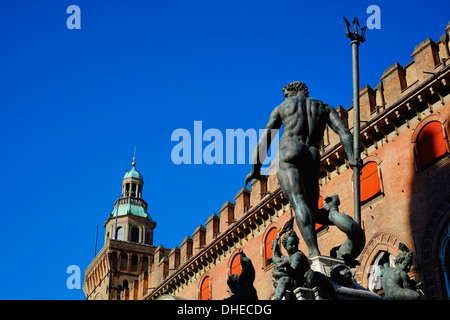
<point x="296" y="87"/>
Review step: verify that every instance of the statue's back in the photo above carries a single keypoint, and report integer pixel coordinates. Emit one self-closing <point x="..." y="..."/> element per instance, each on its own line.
<point x="304" y="118"/>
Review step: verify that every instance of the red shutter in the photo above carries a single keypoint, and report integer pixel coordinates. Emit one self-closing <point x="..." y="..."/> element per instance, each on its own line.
<point x="204" y="290"/>
<point x="236" y="265"/>
<point x="431" y="143"/>
<point x="370" y="182"/>
<point x="319" y="205"/>
<point x="268" y="248"/>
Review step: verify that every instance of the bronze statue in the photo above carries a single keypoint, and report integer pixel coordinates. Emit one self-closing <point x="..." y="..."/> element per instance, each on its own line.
<point x="294" y="271"/>
<point x="241" y="285"/>
<point x="304" y="120"/>
<point x="395" y="281"/>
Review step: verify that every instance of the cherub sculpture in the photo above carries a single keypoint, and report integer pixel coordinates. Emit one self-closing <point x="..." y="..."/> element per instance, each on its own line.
<point x="395" y="281"/>
<point x="294" y="271"/>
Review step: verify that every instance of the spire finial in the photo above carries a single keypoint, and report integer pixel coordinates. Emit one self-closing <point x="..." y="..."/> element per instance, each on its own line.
<point x="134" y="157"/>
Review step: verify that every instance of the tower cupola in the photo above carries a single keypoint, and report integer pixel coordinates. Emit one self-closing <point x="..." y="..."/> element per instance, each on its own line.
<point x="132" y="183"/>
<point x="130" y="220"/>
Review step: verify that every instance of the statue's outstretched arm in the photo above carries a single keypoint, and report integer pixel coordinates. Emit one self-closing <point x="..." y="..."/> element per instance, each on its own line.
<point x="264" y="142"/>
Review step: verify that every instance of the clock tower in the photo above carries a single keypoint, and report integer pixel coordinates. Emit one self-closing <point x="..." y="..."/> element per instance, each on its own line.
<point x="127" y="255"/>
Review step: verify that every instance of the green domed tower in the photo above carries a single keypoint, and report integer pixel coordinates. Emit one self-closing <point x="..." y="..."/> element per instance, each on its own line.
<point x="120" y="270"/>
<point x="130" y="220"/>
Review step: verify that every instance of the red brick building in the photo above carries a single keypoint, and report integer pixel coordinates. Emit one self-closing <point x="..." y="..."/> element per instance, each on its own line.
<point x="405" y="199"/>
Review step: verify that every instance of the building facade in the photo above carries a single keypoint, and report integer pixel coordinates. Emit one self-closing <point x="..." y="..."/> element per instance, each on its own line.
<point x="405" y="198"/>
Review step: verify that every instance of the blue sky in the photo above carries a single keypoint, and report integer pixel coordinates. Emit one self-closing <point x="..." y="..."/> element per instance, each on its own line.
<point x="74" y="103"/>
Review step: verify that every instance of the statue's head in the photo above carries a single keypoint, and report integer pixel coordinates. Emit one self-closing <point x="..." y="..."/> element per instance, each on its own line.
<point x="233" y="283"/>
<point x="294" y="88"/>
<point x="290" y="241"/>
<point x="341" y="274"/>
<point x="404" y="260"/>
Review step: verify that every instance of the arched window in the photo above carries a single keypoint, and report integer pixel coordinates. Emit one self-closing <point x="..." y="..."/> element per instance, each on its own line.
<point x="370" y="182"/>
<point x="119" y="233"/>
<point x="205" y="293"/>
<point x="144" y="263"/>
<point x="134" y="263"/>
<point x="271" y="235"/>
<point x="134" y="234"/>
<point x="124" y="261"/>
<point x="236" y="265"/>
<point x="148" y="238"/>
<point x="133" y="190"/>
<point x="431" y="144"/>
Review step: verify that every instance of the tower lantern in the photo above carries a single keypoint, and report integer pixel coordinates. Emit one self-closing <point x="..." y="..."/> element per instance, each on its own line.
<point x="130" y="220"/>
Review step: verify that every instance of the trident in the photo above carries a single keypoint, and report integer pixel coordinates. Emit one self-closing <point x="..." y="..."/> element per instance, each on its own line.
<point x="356" y="40"/>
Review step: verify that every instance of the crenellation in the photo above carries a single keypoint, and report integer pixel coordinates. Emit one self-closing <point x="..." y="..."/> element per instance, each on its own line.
<point x="394" y="82"/>
<point x="162" y="269"/>
<point x="226" y="214"/>
<point x="426" y="59"/>
<point x="272" y="179"/>
<point x="185" y="249"/>
<point x="199" y="239"/>
<point x="160" y="253"/>
<point x="174" y="260"/>
<point x="367" y="103"/>
<point x="242" y="203"/>
<point x="379" y="98"/>
<point x="258" y="190"/>
<point x="410" y="74"/>
<point x="343" y="114"/>
<point x="212" y="228"/>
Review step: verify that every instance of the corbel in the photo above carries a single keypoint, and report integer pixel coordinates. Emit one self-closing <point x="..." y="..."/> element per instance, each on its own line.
<point x="339" y="156"/>
<point x="372" y="138"/>
<point x="283" y="199"/>
<point x="276" y="204"/>
<point x="378" y="129"/>
<point x="413" y="108"/>
<point x="421" y="100"/>
<point x="272" y="209"/>
<point x="264" y="213"/>
<point x="432" y="91"/>
<point x="328" y="174"/>
<point x="392" y="124"/>
<point x="333" y="163"/>
<point x="400" y="115"/>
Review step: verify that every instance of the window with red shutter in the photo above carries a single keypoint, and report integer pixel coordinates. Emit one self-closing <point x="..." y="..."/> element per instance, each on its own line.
<point x="319" y="205"/>
<point x="236" y="265"/>
<point x="271" y="235"/>
<point x="431" y="143"/>
<point x="370" y="181"/>
<point x="205" y="294"/>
